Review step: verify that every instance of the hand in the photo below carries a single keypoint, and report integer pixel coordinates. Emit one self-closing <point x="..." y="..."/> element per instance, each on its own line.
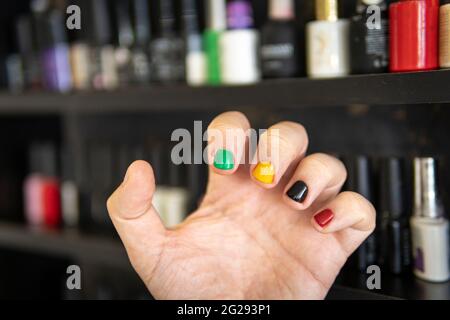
<point x="248" y="239"/>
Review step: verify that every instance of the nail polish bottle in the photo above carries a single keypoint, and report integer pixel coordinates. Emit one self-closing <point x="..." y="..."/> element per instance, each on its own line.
<point x="80" y="53"/>
<point x="104" y="74"/>
<point x="195" y="57"/>
<point x="216" y="25"/>
<point x="414" y="27"/>
<point x="141" y="49"/>
<point x="429" y="226"/>
<point x="54" y="50"/>
<point x="239" y="46"/>
<point x="124" y="41"/>
<point x="369" y="37"/>
<point x="14" y="68"/>
<point x="327" y="42"/>
<point x="444" y="35"/>
<point x="41" y="188"/>
<point x="360" y="180"/>
<point x="26" y="39"/>
<point x="167" y="50"/>
<point x="279" y="49"/>
<point x="395" y="254"/>
<point x="70" y="199"/>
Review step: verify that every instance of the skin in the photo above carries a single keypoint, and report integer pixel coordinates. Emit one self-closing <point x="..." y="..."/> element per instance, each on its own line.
<point x="247" y="240"/>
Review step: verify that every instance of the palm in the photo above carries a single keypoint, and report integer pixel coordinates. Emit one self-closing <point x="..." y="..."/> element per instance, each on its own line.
<point x="246" y="244"/>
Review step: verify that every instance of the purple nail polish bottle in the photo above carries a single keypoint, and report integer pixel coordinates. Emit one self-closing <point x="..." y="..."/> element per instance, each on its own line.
<point x="55" y="59"/>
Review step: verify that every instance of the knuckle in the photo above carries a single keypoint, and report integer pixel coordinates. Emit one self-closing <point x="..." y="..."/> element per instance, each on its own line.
<point x="361" y="206"/>
<point x="288" y="135"/>
<point x="329" y="165"/>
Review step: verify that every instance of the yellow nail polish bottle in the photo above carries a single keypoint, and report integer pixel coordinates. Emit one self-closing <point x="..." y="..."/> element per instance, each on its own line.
<point x="264" y="172"/>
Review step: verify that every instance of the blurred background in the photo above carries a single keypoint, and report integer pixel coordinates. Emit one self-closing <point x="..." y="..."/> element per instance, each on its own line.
<point x="78" y="106"/>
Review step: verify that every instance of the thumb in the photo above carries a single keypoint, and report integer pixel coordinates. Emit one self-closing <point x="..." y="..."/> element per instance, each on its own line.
<point x="136" y="221"/>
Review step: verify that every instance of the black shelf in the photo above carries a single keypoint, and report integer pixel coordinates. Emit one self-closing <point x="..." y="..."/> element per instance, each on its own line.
<point x="376" y="89"/>
<point x="405" y="286"/>
<point x="105" y="251"/>
<point x="65" y="244"/>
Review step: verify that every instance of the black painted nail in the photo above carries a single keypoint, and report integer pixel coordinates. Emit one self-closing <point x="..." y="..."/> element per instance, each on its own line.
<point x="298" y="192"/>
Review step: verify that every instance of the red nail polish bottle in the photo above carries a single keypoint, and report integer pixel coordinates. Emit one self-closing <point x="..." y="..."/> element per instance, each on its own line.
<point x="41" y="188"/>
<point x="414" y="31"/>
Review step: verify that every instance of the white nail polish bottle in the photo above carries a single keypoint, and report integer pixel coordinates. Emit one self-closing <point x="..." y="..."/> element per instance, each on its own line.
<point x="195" y="57"/>
<point x="327" y="42"/>
<point x="239" y="46"/>
<point x="429" y="227"/>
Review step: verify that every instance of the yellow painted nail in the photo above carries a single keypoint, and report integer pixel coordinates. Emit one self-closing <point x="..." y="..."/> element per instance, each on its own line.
<point x="264" y="172"/>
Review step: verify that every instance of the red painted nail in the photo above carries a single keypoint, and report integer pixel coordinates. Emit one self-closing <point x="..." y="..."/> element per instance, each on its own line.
<point x="323" y="218"/>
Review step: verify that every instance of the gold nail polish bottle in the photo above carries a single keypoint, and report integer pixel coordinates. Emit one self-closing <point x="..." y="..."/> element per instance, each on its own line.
<point x="444" y="35"/>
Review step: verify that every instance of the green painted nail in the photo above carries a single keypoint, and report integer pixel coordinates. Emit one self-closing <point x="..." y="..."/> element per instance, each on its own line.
<point x="224" y="160"/>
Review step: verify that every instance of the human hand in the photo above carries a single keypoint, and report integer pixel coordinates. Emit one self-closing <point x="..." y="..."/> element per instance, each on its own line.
<point x="248" y="239"/>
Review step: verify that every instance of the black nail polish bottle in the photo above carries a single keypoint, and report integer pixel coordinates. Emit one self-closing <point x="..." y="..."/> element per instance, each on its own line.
<point x="167" y="49"/>
<point x="360" y="180"/>
<point x="369" y="37"/>
<point x="26" y="39"/>
<point x="143" y="35"/>
<point x="279" y="38"/>
<point x="124" y="41"/>
<point x="395" y="253"/>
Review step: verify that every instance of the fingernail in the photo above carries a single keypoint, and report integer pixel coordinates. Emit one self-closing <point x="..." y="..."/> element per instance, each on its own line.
<point x="324" y="218"/>
<point x="264" y="172"/>
<point x="298" y="192"/>
<point x="224" y="160"/>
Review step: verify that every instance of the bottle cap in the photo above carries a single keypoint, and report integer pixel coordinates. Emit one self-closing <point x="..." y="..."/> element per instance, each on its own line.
<point x="80" y="35"/>
<point x="166" y="17"/>
<point x="42" y="159"/>
<point x="360" y="176"/>
<point x="141" y="22"/>
<point x="371" y="2"/>
<point x="281" y="9"/>
<point x="68" y="166"/>
<point x="216" y="16"/>
<point x="239" y="15"/>
<point x="392" y="188"/>
<point x="327" y="10"/>
<point x="190" y="17"/>
<point x="99" y="22"/>
<point x="101" y="166"/>
<point x="25" y="36"/>
<point x="362" y="5"/>
<point x="125" y="35"/>
<point x="426" y="190"/>
<point x="51" y="29"/>
<point x="157" y="159"/>
<point x="56" y="27"/>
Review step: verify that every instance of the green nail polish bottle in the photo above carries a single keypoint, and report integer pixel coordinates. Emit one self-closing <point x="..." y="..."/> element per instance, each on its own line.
<point x="224" y="160"/>
<point x="216" y="24"/>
